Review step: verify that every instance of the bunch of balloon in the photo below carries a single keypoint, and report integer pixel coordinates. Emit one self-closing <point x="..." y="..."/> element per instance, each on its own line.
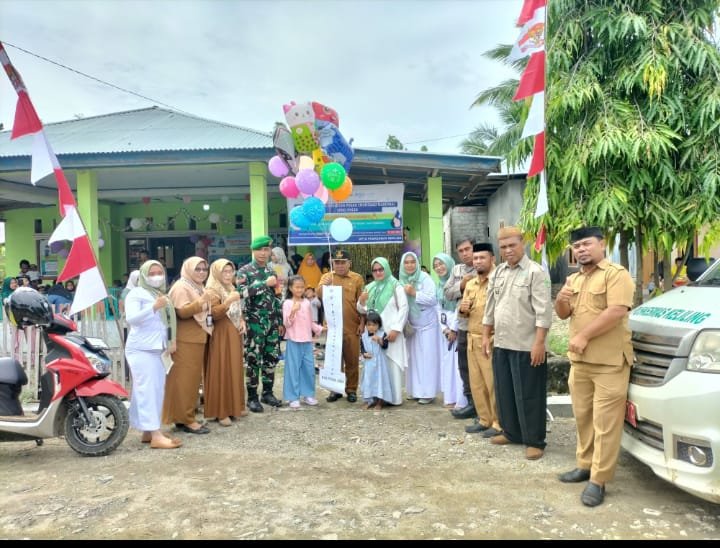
<point x="312" y="161"/>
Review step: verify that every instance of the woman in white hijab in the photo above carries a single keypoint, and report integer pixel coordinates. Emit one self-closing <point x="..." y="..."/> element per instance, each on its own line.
<point x="282" y="269"/>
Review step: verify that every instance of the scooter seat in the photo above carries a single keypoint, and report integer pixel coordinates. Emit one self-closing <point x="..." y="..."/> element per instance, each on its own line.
<point x="12" y="372"/>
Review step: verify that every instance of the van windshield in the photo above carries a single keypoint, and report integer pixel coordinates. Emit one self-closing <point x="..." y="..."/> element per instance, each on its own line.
<point x="711" y="276"/>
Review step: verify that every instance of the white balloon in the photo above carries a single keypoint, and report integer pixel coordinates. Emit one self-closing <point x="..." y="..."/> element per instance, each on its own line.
<point x="341" y="229"/>
<point x="101" y="243"/>
<point x="214" y="218"/>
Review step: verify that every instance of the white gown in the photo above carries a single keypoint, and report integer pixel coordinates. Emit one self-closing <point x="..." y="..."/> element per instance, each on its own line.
<point x="422" y="379"/>
<point x="451" y="383"/>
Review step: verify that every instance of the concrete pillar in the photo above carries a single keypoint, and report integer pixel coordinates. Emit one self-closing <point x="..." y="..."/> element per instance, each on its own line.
<point x="434" y="221"/>
<point x="258" y="199"/>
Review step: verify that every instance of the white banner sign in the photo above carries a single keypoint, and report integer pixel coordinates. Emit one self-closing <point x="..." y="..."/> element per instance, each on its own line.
<point x="331" y="376"/>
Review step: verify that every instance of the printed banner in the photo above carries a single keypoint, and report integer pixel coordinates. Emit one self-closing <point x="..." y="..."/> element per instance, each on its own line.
<point x="235" y="248"/>
<point x="331" y="376"/>
<point x="375" y="211"/>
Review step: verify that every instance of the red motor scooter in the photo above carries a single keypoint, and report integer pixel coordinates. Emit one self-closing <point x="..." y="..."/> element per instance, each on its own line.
<point x="77" y="401"/>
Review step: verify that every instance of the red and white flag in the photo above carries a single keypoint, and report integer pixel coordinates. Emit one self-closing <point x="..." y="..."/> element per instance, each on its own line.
<point x="535" y="122"/>
<point x="532" y="80"/>
<point x="528" y="10"/>
<point x="81" y="261"/>
<point x="532" y="84"/>
<point x="532" y="36"/>
<point x="540" y="240"/>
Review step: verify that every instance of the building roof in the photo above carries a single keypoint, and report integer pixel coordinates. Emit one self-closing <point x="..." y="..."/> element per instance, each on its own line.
<point x="145" y="130"/>
<point x="166" y="155"/>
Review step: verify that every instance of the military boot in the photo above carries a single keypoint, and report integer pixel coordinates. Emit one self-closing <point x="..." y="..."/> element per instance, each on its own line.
<point x="253" y="404"/>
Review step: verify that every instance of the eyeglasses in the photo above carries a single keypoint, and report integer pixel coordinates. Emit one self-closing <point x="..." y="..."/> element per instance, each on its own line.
<point x="201" y="269"/>
<point x="378" y="270"/>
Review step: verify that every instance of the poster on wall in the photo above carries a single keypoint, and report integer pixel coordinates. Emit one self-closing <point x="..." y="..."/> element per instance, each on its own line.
<point x="375" y="211"/>
<point x="49" y="259"/>
<point x="235" y="248"/>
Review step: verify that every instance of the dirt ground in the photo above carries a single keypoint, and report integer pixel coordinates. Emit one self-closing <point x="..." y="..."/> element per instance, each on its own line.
<point x="334" y="472"/>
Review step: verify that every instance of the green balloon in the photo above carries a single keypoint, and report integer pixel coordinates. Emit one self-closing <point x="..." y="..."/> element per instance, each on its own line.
<point x="333" y="175"/>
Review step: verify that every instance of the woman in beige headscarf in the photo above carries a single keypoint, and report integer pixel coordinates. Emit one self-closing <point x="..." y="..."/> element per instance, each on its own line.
<point x="194" y="326"/>
<point x="224" y="386"/>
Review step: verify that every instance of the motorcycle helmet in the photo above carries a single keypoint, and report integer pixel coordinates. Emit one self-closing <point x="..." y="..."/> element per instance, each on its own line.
<point x="26" y="306"/>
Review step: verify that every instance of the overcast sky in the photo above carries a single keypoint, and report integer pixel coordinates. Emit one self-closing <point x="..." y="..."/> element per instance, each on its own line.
<point x="400" y="67"/>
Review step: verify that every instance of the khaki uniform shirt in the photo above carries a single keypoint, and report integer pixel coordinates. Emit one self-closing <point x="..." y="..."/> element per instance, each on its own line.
<point x="607" y="285"/>
<point x="353" y="285"/>
<point x="518" y="302"/>
<point x="452" y="292"/>
<point x="476" y="292"/>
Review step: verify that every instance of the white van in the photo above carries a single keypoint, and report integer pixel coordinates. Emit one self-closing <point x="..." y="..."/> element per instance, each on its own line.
<point x="672" y="420"/>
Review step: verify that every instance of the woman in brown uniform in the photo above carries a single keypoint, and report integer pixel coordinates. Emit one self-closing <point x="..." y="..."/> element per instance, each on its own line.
<point x="224" y="386"/>
<point x="194" y="326"/>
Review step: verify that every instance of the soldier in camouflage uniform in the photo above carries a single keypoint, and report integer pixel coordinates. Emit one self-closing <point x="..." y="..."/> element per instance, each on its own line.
<point x="263" y="316"/>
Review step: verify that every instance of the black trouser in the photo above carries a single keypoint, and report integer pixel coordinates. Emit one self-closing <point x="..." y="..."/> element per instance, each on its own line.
<point x="521" y="396"/>
<point x="461" y="347"/>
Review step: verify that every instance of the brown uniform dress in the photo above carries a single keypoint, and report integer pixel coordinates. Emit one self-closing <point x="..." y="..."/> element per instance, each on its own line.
<point x="224" y="386"/>
<point x="479" y="366"/>
<point x="353" y="285"/>
<point x="599" y="376"/>
<point x="185" y="377"/>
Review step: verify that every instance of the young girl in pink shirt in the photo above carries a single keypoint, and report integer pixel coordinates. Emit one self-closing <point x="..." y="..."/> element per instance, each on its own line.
<point x="299" y="375"/>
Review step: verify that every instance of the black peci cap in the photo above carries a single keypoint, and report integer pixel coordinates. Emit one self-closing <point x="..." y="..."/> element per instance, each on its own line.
<point x="483" y="247"/>
<point x="586" y="232"/>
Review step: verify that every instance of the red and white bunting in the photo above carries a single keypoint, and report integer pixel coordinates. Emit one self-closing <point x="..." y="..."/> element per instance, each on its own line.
<point x="81" y="261"/>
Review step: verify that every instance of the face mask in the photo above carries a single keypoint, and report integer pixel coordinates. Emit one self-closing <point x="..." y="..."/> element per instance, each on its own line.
<point x="156" y="281"/>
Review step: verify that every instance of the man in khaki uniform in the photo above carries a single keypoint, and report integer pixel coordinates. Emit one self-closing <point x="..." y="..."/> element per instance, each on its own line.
<point x="518" y="315"/>
<point x="472" y="307"/>
<point x="597" y="300"/>
<point x="352" y="285"/>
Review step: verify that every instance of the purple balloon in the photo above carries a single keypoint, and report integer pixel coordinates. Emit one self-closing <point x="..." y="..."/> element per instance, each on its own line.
<point x="313" y="209"/>
<point x="278" y="167"/>
<point x="307" y="181"/>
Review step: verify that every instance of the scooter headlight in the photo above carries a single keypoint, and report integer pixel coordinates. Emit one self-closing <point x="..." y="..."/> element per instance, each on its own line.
<point x="705" y="353"/>
<point x="102" y="364"/>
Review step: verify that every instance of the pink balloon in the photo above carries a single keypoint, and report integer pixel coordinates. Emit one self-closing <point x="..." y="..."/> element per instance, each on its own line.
<point x="278" y="167"/>
<point x="322" y="193"/>
<point x="307" y="181"/>
<point x="288" y="187"/>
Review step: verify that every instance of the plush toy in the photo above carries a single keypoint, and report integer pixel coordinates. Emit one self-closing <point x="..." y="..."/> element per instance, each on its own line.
<point x="334" y="144"/>
<point x="325" y="114"/>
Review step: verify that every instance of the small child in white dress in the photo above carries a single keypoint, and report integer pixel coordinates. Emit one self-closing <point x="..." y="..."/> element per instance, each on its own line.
<point x="375" y="387"/>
